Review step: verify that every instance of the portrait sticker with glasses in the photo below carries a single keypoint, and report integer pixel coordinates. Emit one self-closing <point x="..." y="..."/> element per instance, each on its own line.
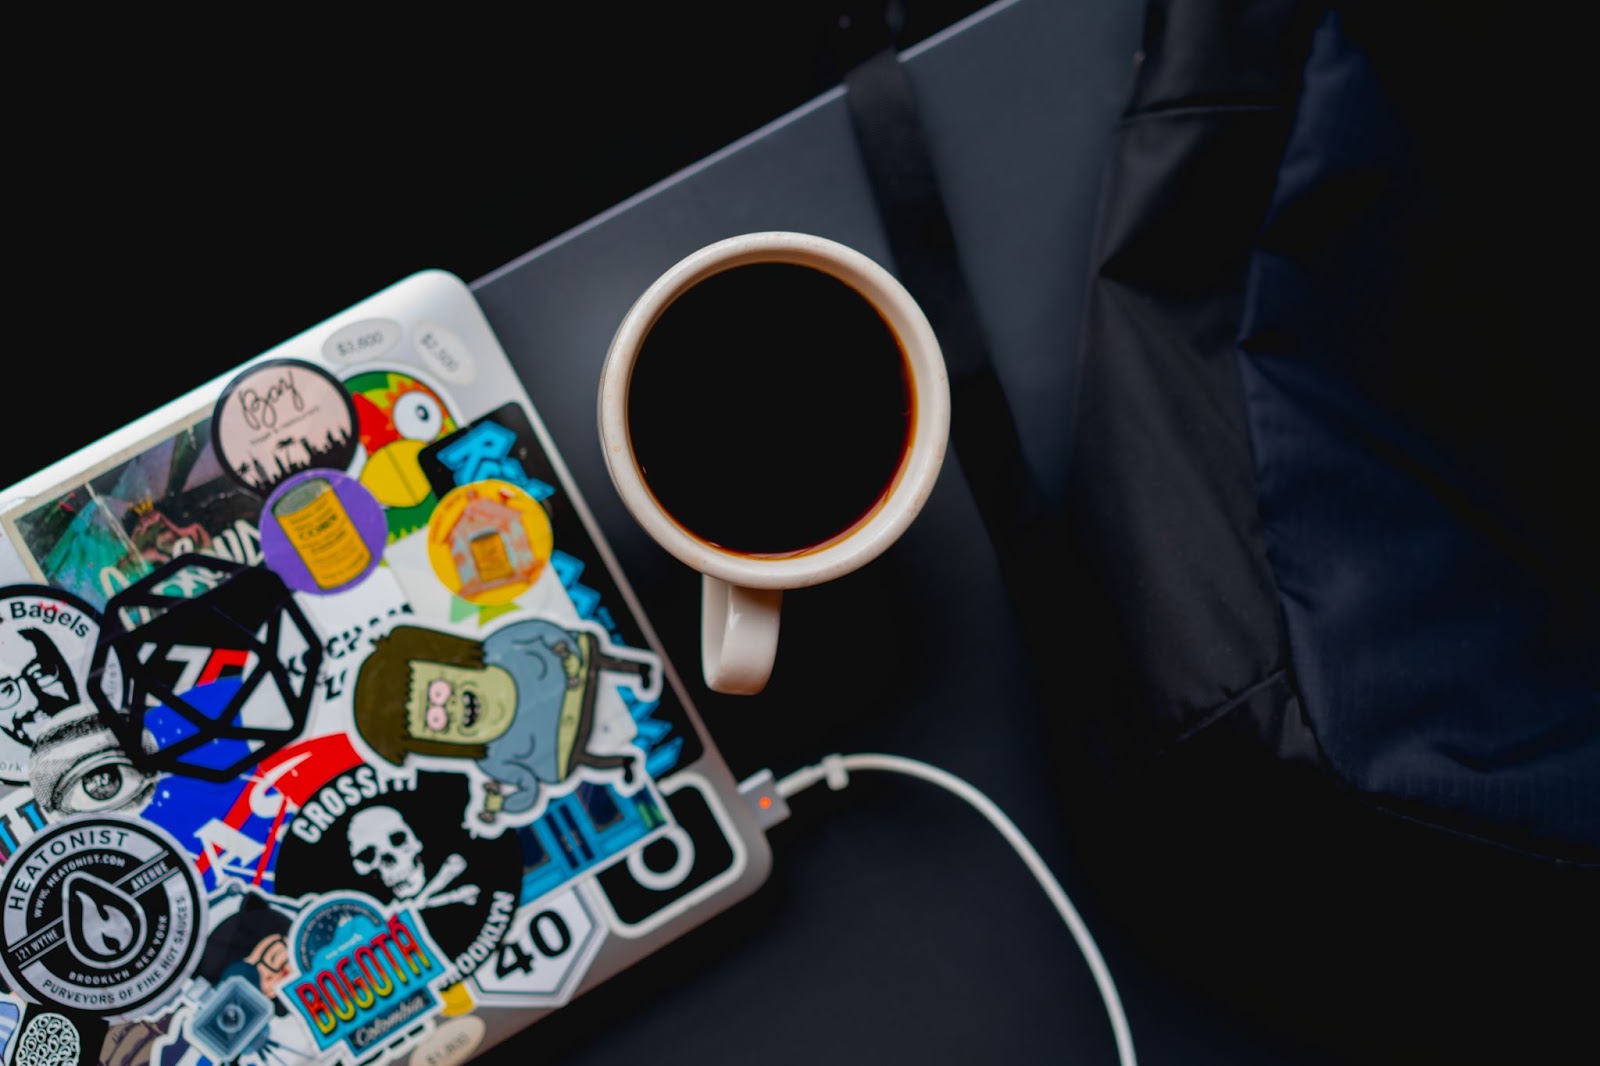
<point x="47" y="641"/>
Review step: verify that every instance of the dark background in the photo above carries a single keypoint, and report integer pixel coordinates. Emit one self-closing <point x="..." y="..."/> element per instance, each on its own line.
<point x="185" y="196"/>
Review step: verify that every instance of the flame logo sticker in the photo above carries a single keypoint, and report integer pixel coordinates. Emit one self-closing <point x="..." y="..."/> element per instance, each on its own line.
<point x="105" y="927"/>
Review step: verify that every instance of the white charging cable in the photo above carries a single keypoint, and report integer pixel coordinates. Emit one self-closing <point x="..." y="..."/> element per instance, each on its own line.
<point x="836" y="770"/>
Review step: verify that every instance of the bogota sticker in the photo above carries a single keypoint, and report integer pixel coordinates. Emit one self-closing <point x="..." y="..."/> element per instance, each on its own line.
<point x="367" y="981"/>
<point x="47" y="640"/>
<point x="100" y="914"/>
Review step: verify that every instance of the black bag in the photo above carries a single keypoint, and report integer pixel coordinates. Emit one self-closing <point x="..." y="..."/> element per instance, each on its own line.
<point x="1330" y="501"/>
<point x="1332" y="737"/>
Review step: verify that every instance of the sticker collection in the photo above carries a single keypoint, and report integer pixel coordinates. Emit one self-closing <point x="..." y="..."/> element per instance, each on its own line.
<point x="323" y="728"/>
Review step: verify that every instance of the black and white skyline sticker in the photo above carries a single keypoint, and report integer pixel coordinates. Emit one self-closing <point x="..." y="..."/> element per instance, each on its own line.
<point x="100" y="914"/>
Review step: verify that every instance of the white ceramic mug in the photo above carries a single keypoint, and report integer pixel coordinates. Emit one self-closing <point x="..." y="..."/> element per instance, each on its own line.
<point x="742" y="594"/>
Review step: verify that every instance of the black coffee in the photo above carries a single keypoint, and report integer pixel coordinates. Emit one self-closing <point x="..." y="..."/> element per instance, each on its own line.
<point x="770" y="408"/>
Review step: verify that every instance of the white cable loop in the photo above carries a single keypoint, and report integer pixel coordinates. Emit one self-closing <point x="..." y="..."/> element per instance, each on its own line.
<point x="835" y="771"/>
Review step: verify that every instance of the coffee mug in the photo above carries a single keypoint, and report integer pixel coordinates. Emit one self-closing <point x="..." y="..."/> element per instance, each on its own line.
<point x="774" y="411"/>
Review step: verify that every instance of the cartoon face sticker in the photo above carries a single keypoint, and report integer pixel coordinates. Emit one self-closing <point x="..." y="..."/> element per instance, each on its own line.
<point x="519" y="704"/>
<point x="458" y="704"/>
<point x="398" y="416"/>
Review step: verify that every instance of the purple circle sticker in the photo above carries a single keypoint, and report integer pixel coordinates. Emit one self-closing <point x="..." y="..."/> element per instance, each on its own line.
<point x="322" y="531"/>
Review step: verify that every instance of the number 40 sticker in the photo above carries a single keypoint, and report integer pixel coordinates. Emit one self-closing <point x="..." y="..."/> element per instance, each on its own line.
<point x="544" y="955"/>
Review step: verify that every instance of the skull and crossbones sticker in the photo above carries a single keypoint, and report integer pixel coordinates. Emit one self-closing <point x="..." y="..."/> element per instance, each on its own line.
<point x="391" y="839"/>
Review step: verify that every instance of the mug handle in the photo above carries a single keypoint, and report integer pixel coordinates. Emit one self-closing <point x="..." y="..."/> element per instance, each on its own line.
<point x="738" y="635"/>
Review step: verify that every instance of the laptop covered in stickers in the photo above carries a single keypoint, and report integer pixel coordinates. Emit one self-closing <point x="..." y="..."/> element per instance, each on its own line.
<point x="330" y="731"/>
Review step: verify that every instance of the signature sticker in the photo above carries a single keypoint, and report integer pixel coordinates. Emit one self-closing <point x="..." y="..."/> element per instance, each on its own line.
<point x="407" y="846"/>
<point x="520" y="705"/>
<point x="202" y="689"/>
<point x="489" y="541"/>
<point x="322" y="532"/>
<point x="280" y="417"/>
<point x="47" y="641"/>
<point x="368" y="979"/>
<point x="102" y="914"/>
<point x="398" y="416"/>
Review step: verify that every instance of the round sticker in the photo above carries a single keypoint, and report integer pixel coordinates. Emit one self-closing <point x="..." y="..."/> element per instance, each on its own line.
<point x="47" y="641"/>
<point x="280" y="417"/>
<point x="406" y="848"/>
<point x="398" y="415"/>
<point x="489" y="541"/>
<point x="360" y="341"/>
<point x="101" y="914"/>
<point x="321" y="531"/>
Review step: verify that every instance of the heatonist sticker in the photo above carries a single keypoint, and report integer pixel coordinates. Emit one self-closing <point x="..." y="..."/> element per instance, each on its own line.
<point x="102" y="914"/>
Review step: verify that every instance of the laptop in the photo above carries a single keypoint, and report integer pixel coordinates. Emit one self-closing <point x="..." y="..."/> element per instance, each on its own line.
<point x="330" y="730"/>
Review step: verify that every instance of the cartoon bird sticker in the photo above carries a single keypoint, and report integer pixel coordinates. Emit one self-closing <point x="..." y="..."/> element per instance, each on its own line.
<point x="398" y="416"/>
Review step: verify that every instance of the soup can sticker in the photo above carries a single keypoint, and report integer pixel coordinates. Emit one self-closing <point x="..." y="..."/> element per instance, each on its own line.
<point x="100" y="914"/>
<point x="47" y="642"/>
<point x="279" y="417"/>
<point x="489" y="541"/>
<point x="322" y="532"/>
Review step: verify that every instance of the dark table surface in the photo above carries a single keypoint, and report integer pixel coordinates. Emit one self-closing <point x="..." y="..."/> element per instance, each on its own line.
<point x="897" y="926"/>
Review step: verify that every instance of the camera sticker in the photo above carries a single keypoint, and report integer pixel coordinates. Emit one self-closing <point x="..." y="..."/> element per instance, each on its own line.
<point x="236" y="1010"/>
<point x="322" y="532"/>
<point x="523" y="706"/>
<point x="398" y="415"/>
<point x="47" y="641"/>
<point x="550" y="947"/>
<point x="489" y="541"/>
<point x="698" y="856"/>
<point x="368" y="980"/>
<point x="202" y="688"/>
<point x="404" y="844"/>
<point x="279" y="417"/>
<point x="102" y="914"/>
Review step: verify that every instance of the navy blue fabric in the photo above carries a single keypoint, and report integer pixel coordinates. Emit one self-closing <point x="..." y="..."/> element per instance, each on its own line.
<point x="1443" y="639"/>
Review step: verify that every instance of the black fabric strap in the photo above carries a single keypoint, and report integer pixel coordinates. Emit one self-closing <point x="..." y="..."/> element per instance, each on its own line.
<point x="983" y="434"/>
